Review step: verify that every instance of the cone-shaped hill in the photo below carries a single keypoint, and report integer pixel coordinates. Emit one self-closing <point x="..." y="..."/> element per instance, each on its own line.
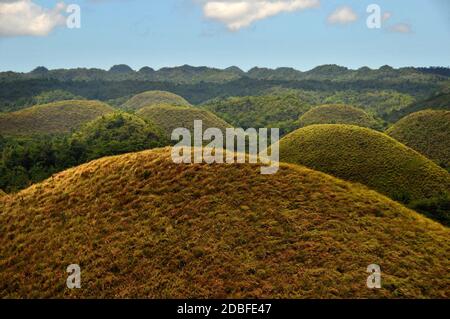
<point x="169" y="117"/>
<point x="337" y="114"/>
<point x="428" y="132"/>
<point x="150" y="98"/>
<point x="141" y="226"/>
<point x="57" y="117"/>
<point x="366" y="156"/>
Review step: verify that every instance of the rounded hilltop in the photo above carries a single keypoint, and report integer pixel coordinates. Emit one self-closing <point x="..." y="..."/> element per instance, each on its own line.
<point x="141" y="226"/>
<point x="117" y="133"/>
<point x="169" y="117"/>
<point x="51" y="118"/>
<point x="427" y="132"/>
<point x="368" y="157"/>
<point x="151" y="98"/>
<point x="337" y="114"/>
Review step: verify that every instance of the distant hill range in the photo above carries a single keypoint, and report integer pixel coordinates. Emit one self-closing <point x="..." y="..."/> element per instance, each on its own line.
<point x="190" y="74"/>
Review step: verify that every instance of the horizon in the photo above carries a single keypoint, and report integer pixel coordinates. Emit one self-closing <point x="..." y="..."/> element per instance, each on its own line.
<point x="245" y="70"/>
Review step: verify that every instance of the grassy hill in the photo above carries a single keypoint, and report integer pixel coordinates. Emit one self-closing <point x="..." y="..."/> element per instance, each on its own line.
<point x="428" y="132"/>
<point x="362" y="155"/>
<point x="117" y="133"/>
<point x="151" y="98"/>
<point x="169" y="117"/>
<point x="57" y="117"/>
<point x="337" y="114"/>
<point x="2" y="193"/>
<point x="141" y="226"/>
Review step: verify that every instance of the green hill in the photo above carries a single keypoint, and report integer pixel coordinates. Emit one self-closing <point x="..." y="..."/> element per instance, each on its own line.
<point x="141" y="226"/>
<point x="57" y="117"/>
<point x="337" y="114"/>
<point x="117" y="133"/>
<point x="427" y="132"/>
<point x="362" y="155"/>
<point x="170" y="117"/>
<point x="280" y="110"/>
<point x="151" y="98"/>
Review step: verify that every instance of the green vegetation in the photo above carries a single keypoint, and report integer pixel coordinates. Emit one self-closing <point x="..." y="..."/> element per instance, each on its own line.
<point x="117" y="133"/>
<point x="141" y="226"/>
<point x="337" y="114"/>
<point x="427" y="132"/>
<point x="27" y="160"/>
<point x="151" y="98"/>
<point x="380" y="103"/>
<point x="54" y="96"/>
<point x="169" y="117"/>
<point x="439" y="101"/>
<point x="276" y="110"/>
<point x="57" y="117"/>
<point x="362" y="155"/>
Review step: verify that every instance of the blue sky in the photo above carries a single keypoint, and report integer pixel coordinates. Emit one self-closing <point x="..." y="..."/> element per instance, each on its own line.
<point x="175" y="32"/>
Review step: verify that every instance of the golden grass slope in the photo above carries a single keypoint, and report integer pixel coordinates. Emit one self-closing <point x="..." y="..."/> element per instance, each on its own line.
<point x="150" y="98"/>
<point x="141" y="226"/>
<point x="337" y="114"/>
<point x="169" y="117"/>
<point x="57" y="117"/>
<point x="366" y="156"/>
<point x="428" y="132"/>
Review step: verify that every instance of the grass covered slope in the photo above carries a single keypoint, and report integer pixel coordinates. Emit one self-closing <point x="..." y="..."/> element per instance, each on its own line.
<point x="169" y="117"/>
<point x="362" y="155"/>
<point x="337" y="114"/>
<point x="57" y="117"/>
<point x="117" y="133"/>
<point x="218" y="231"/>
<point x="150" y="98"/>
<point x="428" y="132"/>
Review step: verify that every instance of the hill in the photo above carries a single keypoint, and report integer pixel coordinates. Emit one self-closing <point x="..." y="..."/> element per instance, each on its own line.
<point x="372" y="158"/>
<point x="141" y="226"/>
<point x="337" y="114"/>
<point x="115" y="134"/>
<point x="57" y="117"/>
<point x="280" y="110"/>
<point x="169" y="117"/>
<point x="150" y="98"/>
<point x="439" y="101"/>
<point x="427" y="132"/>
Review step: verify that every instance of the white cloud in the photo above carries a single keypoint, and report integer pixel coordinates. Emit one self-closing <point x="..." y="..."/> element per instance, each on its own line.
<point x="342" y="15"/>
<point x="237" y="14"/>
<point x="24" y="17"/>
<point x="401" y="28"/>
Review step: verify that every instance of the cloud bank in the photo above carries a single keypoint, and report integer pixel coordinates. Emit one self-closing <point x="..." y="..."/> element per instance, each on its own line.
<point x="237" y="14"/>
<point x="24" y="17"/>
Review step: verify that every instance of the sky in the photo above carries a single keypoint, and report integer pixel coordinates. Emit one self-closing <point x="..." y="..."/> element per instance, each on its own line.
<point x="220" y="33"/>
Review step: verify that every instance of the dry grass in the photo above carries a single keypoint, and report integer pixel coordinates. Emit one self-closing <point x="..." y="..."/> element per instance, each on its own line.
<point x="337" y="114"/>
<point x="169" y="117"/>
<point x="56" y="117"/>
<point x="151" y="98"/>
<point x="141" y="226"/>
